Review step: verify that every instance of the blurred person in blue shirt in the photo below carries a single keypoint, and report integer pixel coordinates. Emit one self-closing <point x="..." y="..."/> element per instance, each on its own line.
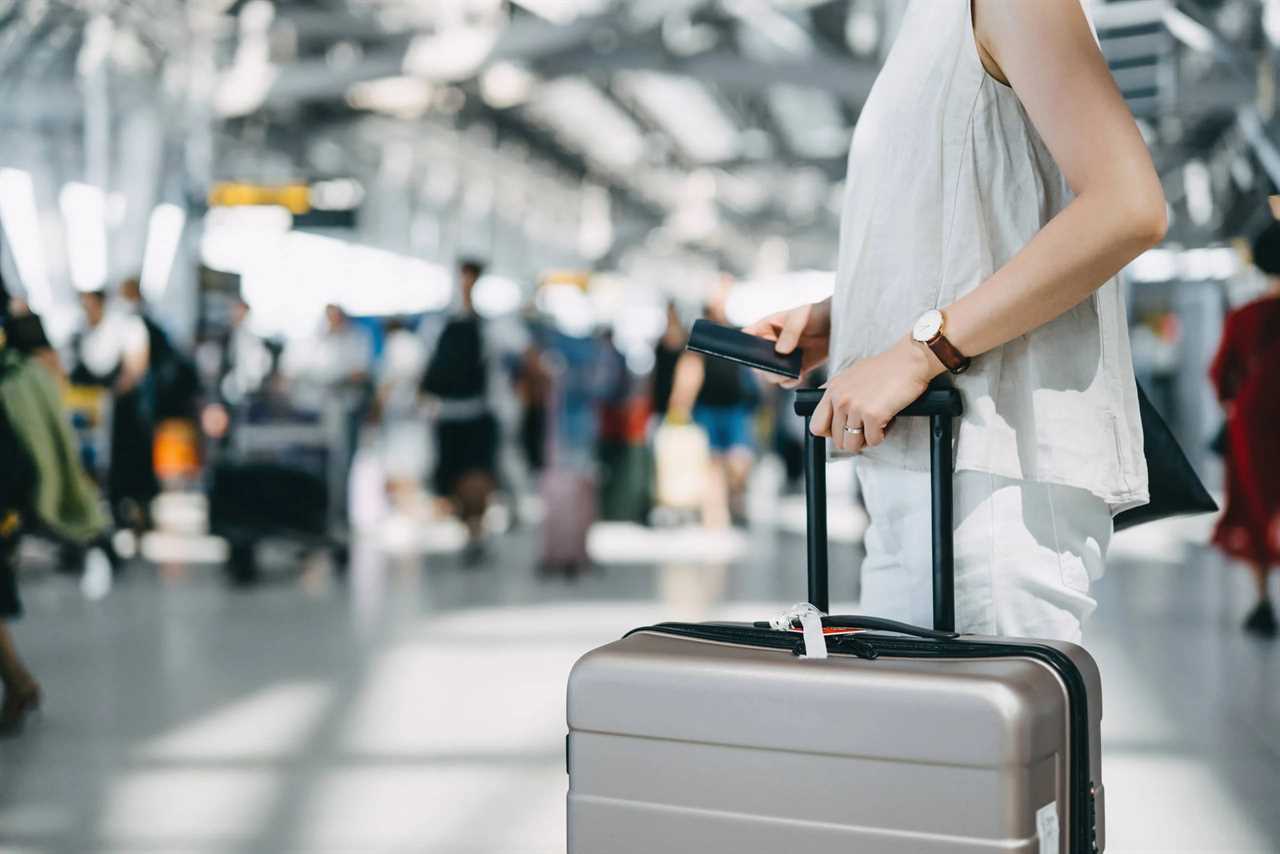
<point x="720" y="397"/>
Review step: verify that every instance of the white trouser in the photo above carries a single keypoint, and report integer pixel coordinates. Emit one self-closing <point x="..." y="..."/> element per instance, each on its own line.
<point x="1025" y="552"/>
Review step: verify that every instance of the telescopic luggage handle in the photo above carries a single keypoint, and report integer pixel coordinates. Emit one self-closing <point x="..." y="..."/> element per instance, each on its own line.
<point x="940" y="403"/>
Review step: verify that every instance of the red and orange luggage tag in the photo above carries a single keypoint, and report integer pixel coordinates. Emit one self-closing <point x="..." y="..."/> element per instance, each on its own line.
<point x="807" y="620"/>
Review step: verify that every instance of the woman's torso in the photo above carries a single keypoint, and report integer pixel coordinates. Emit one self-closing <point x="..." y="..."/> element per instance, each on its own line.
<point x="948" y="179"/>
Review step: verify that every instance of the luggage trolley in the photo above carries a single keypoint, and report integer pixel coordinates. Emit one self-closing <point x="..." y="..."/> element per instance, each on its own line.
<point x="282" y="476"/>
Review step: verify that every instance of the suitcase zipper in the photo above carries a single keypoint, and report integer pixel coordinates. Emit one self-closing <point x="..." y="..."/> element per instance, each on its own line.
<point x="1082" y="831"/>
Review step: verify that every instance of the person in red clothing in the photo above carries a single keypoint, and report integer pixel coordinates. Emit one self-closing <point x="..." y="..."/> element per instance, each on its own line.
<point x="1246" y="373"/>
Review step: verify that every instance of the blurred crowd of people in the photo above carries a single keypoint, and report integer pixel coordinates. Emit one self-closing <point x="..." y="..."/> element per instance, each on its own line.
<point x="450" y="411"/>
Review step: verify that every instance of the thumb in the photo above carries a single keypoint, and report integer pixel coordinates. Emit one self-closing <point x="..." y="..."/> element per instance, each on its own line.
<point x="791" y="329"/>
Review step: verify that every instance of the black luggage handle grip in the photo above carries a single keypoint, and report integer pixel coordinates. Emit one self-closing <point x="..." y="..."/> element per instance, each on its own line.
<point x="877" y="624"/>
<point x="938" y="400"/>
<point x="941" y="404"/>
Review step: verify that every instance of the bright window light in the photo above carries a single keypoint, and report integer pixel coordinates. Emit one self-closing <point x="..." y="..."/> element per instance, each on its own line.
<point x="1216" y="263"/>
<point x="236" y="238"/>
<point x="749" y="301"/>
<point x="288" y="281"/>
<point x="1154" y="265"/>
<point x="21" y="222"/>
<point x="164" y="234"/>
<point x="84" y="212"/>
<point x="568" y="307"/>
<point x="495" y="296"/>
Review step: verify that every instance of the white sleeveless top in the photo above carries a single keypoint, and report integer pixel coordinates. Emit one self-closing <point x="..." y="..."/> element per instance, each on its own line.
<point x="948" y="179"/>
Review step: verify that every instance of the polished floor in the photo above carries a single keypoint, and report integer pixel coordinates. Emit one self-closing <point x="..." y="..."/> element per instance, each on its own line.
<point x="418" y="706"/>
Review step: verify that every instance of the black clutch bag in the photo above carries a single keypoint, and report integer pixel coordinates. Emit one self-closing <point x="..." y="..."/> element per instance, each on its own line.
<point x="1175" y="487"/>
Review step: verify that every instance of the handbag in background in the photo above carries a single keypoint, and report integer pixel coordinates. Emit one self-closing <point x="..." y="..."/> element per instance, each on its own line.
<point x="1175" y="488"/>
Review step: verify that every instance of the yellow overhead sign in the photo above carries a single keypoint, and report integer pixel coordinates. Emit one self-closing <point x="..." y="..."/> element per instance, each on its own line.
<point x="229" y="194"/>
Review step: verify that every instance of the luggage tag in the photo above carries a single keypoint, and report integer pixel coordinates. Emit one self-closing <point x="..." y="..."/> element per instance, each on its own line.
<point x="807" y="620"/>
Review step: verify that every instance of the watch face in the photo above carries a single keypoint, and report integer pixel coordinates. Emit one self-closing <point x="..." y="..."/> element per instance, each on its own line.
<point x="929" y="325"/>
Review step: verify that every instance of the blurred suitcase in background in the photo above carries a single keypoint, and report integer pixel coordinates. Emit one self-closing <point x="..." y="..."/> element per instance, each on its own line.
<point x="261" y="499"/>
<point x="747" y="739"/>
<point x="568" y="498"/>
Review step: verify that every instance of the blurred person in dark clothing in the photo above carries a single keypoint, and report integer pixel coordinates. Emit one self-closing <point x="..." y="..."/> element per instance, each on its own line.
<point x="21" y="332"/>
<point x="461" y="357"/>
<point x="42" y="487"/>
<point x="21" y="690"/>
<point x="25" y="333"/>
<point x="112" y="351"/>
<point x="666" y="353"/>
<point x="1246" y="373"/>
<point x="173" y="379"/>
<point x="719" y="396"/>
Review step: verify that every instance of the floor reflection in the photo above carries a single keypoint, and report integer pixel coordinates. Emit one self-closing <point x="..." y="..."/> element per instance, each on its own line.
<point x="419" y="705"/>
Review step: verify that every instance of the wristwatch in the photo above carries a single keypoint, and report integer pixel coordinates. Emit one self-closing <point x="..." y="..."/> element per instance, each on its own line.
<point x="928" y="331"/>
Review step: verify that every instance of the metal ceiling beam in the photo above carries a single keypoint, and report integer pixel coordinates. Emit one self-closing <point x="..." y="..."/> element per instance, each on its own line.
<point x="847" y="79"/>
<point x="523" y="40"/>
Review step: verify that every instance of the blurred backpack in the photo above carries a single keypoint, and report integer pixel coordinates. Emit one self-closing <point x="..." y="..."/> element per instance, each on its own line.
<point x="457" y="368"/>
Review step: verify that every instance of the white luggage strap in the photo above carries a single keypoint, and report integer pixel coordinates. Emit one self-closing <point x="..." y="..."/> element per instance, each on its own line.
<point x="810" y="619"/>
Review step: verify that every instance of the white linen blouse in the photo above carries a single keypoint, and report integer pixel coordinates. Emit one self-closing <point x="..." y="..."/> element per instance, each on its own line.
<point x="947" y="180"/>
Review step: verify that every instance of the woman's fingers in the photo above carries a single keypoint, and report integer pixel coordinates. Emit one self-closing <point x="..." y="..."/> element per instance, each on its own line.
<point x="855" y="438"/>
<point x="793" y="325"/>
<point x="846" y="426"/>
<point x="764" y="328"/>
<point x="820" y="422"/>
<point x="873" y="431"/>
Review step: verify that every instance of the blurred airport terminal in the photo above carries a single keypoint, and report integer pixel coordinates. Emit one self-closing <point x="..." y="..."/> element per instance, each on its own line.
<point x="313" y="555"/>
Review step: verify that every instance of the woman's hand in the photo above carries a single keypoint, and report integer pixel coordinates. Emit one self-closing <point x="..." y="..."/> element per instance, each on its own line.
<point x="866" y="396"/>
<point x="807" y="327"/>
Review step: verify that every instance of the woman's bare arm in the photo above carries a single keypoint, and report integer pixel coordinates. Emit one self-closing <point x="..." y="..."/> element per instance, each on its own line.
<point x="1047" y="52"/>
<point x="685" y="385"/>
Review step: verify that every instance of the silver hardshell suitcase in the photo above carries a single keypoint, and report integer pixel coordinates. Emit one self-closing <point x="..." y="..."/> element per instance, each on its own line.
<point x="718" y="737"/>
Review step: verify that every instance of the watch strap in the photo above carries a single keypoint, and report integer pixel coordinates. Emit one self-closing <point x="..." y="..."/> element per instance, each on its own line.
<point x="951" y="358"/>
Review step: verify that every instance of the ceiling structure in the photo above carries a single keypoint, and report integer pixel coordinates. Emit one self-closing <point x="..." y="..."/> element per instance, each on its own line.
<point x="721" y="124"/>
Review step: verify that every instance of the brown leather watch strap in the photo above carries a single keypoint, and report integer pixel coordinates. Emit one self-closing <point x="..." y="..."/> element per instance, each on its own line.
<point x="951" y="358"/>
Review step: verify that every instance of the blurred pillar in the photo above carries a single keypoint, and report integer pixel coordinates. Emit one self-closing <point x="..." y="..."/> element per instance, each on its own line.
<point x="95" y="84"/>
